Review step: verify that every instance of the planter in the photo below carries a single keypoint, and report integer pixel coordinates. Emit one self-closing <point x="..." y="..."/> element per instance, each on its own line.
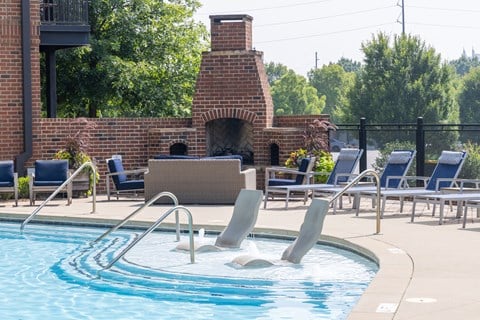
<point x="81" y="185"/>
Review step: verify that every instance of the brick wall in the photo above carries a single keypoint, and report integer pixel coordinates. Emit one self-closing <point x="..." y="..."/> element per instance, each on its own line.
<point x="136" y="140"/>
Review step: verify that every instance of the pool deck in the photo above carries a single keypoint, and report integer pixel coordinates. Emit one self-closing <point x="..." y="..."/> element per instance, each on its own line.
<point x="427" y="271"/>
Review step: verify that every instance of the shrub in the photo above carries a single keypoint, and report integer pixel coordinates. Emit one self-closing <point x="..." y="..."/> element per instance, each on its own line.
<point x="471" y="167"/>
<point x="381" y="161"/>
<point x="23" y="188"/>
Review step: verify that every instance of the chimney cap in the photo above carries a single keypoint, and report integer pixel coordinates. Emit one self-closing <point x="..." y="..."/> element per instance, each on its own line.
<point x="230" y="17"/>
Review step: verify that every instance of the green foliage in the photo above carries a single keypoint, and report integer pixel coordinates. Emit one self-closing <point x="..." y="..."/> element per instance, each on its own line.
<point x="23" y="187"/>
<point x="471" y="167"/>
<point x="463" y="64"/>
<point x="323" y="164"/>
<point x="143" y="59"/>
<point x="76" y="148"/>
<point x="401" y="82"/>
<point x="292" y="94"/>
<point x="275" y="71"/>
<point x="333" y="82"/>
<point x="349" y="65"/>
<point x="387" y="149"/>
<point x="469" y="101"/>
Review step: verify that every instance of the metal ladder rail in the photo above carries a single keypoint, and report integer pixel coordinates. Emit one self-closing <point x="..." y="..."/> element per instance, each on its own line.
<point x="62" y="186"/>
<point x="149" y="230"/>
<point x="145" y="205"/>
<point x="354" y="182"/>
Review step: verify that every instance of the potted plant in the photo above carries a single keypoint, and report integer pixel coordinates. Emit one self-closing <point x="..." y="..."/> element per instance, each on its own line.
<point x="76" y="152"/>
<point x="315" y="139"/>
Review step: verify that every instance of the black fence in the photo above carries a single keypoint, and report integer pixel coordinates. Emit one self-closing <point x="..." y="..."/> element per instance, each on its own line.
<point x="426" y="137"/>
<point x="64" y="12"/>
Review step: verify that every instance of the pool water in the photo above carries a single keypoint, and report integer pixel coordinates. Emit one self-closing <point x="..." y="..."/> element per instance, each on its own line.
<point x="51" y="272"/>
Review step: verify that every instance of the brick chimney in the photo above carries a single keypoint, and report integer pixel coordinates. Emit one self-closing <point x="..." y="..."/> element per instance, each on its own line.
<point x="231" y="32"/>
<point x="232" y="102"/>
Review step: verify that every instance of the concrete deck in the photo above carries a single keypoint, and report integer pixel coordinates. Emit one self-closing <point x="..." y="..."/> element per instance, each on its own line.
<point x="427" y="271"/>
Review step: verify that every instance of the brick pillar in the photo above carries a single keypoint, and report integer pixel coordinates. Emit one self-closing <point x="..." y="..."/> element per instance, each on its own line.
<point x="11" y="78"/>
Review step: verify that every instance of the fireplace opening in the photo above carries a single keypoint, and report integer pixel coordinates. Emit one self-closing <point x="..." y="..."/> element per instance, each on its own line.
<point x="274" y="154"/>
<point x="179" y="149"/>
<point x="230" y="136"/>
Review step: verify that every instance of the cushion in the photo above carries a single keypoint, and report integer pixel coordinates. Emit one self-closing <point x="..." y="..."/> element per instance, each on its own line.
<point x="400" y="157"/>
<point x="6" y="173"/>
<point x="348" y="154"/>
<point x="450" y="157"/>
<point x="51" y="171"/>
<point x="114" y="166"/>
<point x="173" y="156"/>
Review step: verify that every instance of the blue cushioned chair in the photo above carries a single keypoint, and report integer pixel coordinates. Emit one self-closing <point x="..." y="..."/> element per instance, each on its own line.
<point x="121" y="180"/>
<point x="275" y="185"/>
<point x="48" y="176"/>
<point x="8" y="179"/>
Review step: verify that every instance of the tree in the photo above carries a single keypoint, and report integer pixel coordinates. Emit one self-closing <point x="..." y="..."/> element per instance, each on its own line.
<point x="292" y="94"/>
<point x="143" y="59"/>
<point x="333" y="82"/>
<point x="400" y="83"/>
<point x="469" y="101"/>
<point x="463" y="64"/>
<point x="349" y="65"/>
<point x="275" y="71"/>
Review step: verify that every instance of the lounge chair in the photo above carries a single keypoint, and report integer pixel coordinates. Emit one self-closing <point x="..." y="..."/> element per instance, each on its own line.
<point x="342" y="172"/>
<point x="462" y="195"/>
<point x="48" y="176"/>
<point x="8" y="179"/>
<point x="443" y="176"/>
<point x="243" y="220"/>
<point x="308" y="235"/>
<point x="122" y="178"/>
<point x="275" y="185"/>
<point x="397" y="166"/>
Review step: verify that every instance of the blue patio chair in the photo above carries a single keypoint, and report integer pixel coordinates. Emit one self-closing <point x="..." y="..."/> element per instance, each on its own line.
<point x="122" y="179"/>
<point x="397" y="166"/>
<point x="443" y="176"/>
<point x="342" y="172"/>
<point x="48" y="176"/>
<point x="275" y="185"/>
<point x="8" y="179"/>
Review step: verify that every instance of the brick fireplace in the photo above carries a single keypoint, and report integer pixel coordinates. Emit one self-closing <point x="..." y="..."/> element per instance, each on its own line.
<point x="232" y="110"/>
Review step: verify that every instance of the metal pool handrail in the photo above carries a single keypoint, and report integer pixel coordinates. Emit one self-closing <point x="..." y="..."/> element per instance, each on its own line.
<point x="63" y="185"/>
<point x="149" y="230"/>
<point x="354" y="182"/>
<point x="147" y="204"/>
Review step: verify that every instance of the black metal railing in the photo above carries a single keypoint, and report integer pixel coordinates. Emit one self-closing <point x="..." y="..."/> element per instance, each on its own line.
<point x="420" y="133"/>
<point x="64" y="12"/>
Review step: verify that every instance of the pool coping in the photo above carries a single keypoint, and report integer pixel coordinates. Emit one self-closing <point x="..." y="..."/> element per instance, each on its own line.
<point x="413" y="276"/>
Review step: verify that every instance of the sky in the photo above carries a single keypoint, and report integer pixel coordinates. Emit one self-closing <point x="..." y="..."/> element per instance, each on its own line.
<point x="303" y="34"/>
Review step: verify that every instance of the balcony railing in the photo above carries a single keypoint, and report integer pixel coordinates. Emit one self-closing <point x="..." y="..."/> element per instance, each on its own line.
<point x="64" y="12"/>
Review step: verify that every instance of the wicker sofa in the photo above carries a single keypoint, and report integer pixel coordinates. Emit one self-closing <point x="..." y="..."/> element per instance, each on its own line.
<point x="198" y="181"/>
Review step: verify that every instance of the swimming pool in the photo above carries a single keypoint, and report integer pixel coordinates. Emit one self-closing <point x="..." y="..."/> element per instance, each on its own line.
<point x="51" y="272"/>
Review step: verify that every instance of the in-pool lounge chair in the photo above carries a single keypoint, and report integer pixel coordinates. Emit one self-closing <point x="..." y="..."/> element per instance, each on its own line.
<point x="398" y="163"/>
<point x="443" y="176"/>
<point x="307" y="237"/>
<point x="122" y="178"/>
<point x="243" y="220"/>
<point x="275" y="186"/>
<point x="342" y="172"/>
<point x="8" y="179"/>
<point x="48" y="176"/>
